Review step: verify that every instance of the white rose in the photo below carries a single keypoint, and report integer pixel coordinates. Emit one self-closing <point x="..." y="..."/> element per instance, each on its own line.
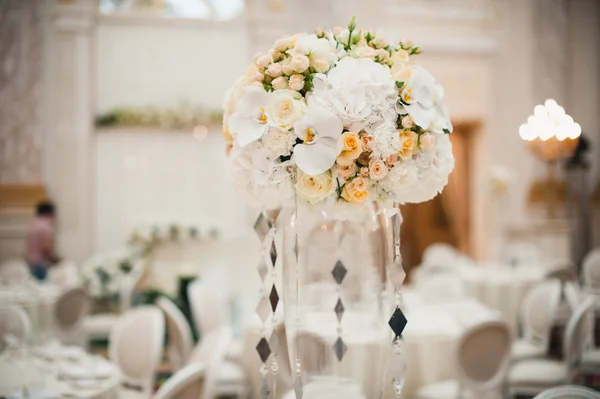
<point x="316" y="188"/>
<point x="427" y="142"/>
<point x="296" y="82"/>
<point x="284" y="108"/>
<point x="300" y="63"/>
<point x="280" y="83"/>
<point x="286" y="67"/>
<point x="380" y="41"/>
<point x="320" y="64"/>
<point x="264" y="60"/>
<point x="274" y="70"/>
<point x="364" y="52"/>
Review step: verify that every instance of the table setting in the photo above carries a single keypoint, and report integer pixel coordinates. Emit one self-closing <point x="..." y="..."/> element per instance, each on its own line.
<point x="53" y="371"/>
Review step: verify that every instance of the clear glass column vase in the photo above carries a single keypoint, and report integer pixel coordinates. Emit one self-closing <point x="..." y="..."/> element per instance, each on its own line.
<point x="341" y="293"/>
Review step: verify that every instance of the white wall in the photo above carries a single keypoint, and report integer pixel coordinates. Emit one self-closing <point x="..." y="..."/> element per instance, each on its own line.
<point x="141" y="61"/>
<point x="155" y="177"/>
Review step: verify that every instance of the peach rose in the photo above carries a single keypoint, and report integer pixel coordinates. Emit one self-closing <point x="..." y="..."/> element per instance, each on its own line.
<point x="364" y="171"/>
<point x="409" y="141"/>
<point x="364" y="158"/>
<point x="407" y="122"/>
<point x="296" y="82"/>
<point x="351" y="150"/>
<point x="345" y="171"/>
<point x="300" y="63"/>
<point x="274" y="70"/>
<point x="280" y="83"/>
<point x="367" y="141"/>
<point x="377" y="170"/>
<point x="286" y="67"/>
<point x="392" y="159"/>
<point x="264" y="60"/>
<point x="356" y="191"/>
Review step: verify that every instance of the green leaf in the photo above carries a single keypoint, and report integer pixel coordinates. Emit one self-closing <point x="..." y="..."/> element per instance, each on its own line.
<point x="446" y="131"/>
<point x="414" y="50"/>
<point x="369" y="37"/>
<point x="267" y="87"/>
<point x="399" y="84"/>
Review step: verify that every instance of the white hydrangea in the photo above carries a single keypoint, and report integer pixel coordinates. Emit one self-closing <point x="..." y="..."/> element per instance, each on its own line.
<point x="387" y="141"/>
<point x="400" y="180"/>
<point x="259" y="176"/>
<point x="279" y="141"/>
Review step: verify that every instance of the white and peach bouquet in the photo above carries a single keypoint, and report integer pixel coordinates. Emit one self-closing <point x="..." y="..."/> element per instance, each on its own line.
<point x="337" y="116"/>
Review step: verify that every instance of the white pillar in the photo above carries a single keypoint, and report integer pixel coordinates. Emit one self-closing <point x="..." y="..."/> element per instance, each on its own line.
<point x="69" y="134"/>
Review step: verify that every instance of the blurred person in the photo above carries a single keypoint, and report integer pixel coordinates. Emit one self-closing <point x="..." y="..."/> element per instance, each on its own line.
<point x="40" y="241"/>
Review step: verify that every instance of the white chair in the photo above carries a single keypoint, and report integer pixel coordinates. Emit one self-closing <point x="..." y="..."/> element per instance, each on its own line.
<point x="14" y="271"/>
<point x="482" y="359"/>
<point x="591" y="271"/>
<point x="440" y="255"/>
<point x="187" y="383"/>
<point x="14" y="324"/>
<point x="179" y="331"/>
<point x="522" y="254"/>
<point x="223" y="377"/>
<point x="568" y="392"/>
<point x="538" y="312"/>
<point x="69" y="312"/>
<point x="98" y="326"/>
<point x="208" y="297"/>
<point x="65" y="274"/>
<point x="532" y="376"/>
<point x="135" y="346"/>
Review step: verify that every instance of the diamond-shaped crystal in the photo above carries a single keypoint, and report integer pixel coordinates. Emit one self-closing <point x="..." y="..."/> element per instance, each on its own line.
<point x="296" y="247"/>
<point x="273" y="253"/>
<point x="264" y="390"/>
<point x="261" y="227"/>
<point x="339" y="272"/>
<point x="398" y="322"/>
<point x="298" y="388"/>
<point x="262" y="269"/>
<point x="263" y="349"/>
<point x="274" y="341"/>
<point x="397" y="275"/>
<point x="272" y="215"/>
<point x="274" y="298"/>
<point x="340" y="348"/>
<point x="339" y="309"/>
<point x="263" y="310"/>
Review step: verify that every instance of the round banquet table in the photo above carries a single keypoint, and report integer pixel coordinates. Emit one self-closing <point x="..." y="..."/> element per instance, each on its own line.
<point x="501" y="287"/>
<point x="55" y="371"/>
<point x="38" y="301"/>
<point x="429" y="339"/>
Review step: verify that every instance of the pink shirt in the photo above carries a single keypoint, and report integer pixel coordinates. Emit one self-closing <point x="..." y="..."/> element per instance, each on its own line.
<point x="41" y="229"/>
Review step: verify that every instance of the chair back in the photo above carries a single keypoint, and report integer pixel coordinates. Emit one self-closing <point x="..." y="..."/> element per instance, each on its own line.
<point x="568" y="392"/>
<point x="522" y="254"/>
<point x="208" y="296"/>
<point x="440" y="255"/>
<point x="14" y="322"/>
<point x="591" y="270"/>
<point x="187" y="383"/>
<point x="564" y="274"/>
<point x="577" y="333"/>
<point x="539" y="309"/>
<point x="211" y="352"/>
<point x="70" y="309"/>
<point x="483" y="355"/>
<point x="135" y="346"/>
<point x="179" y="332"/>
<point x="64" y="275"/>
<point x="14" y="271"/>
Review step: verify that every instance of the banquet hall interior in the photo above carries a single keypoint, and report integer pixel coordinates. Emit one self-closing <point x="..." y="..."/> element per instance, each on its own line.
<point x="111" y="150"/>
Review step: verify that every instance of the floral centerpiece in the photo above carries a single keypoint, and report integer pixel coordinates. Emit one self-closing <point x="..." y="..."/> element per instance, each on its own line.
<point x="342" y="115"/>
<point x="346" y="123"/>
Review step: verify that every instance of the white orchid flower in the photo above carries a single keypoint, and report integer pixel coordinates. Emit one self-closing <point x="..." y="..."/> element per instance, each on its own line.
<point x="320" y="131"/>
<point x="249" y="121"/>
<point x="423" y="100"/>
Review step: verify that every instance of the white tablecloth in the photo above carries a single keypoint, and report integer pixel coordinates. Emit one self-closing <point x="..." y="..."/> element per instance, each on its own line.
<point x="501" y="287"/>
<point x="38" y="301"/>
<point x="56" y="371"/>
<point x="431" y="335"/>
